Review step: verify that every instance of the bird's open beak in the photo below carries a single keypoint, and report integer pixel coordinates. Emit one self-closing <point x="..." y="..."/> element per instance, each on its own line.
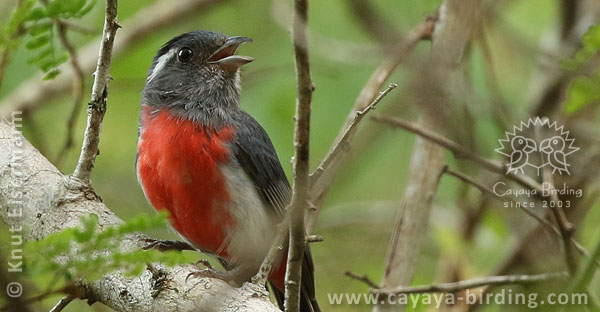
<point x="225" y="56"/>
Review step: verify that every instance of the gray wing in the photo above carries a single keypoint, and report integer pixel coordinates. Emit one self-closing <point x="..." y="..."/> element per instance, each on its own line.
<point x="257" y="156"/>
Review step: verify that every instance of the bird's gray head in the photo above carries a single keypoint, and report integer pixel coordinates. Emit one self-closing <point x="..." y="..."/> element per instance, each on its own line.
<point x="196" y="75"/>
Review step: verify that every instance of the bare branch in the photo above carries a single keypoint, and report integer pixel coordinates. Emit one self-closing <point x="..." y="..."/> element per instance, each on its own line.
<point x="76" y="27"/>
<point x="299" y="204"/>
<point x="566" y="228"/>
<point x="97" y="105"/>
<point x="584" y="277"/>
<point x="274" y="253"/>
<point x="62" y="303"/>
<point x="372" y="23"/>
<point x="487" y="190"/>
<point x="463" y="177"/>
<point x="161" y="14"/>
<point x="363" y="278"/>
<point x="474" y="283"/>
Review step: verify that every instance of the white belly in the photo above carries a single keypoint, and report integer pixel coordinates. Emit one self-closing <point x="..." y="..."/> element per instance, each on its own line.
<point x="248" y="242"/>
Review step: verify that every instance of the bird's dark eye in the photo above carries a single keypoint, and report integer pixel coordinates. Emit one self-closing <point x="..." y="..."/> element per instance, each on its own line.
<point x="184" y="55"/>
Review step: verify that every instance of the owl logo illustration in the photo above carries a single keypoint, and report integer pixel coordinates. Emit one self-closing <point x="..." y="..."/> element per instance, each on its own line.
<point x="523" y="151"/>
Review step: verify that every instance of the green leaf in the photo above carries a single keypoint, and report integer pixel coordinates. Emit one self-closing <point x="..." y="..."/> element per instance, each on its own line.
<point x="56" y="8"/>
<point x="581" y="92"/>
<point x="76" y="6"/>
<point x="40" y="28"/>
<point x="45" y="53"/>
<point x="591" y="38"/>
<point x="591" y="45"/>
<point x="85" y="10"/>
<point x="37" y="42"/>
<point x="36" y="14"/>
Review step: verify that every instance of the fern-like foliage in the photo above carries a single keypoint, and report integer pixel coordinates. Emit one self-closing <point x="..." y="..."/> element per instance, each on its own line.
<point x="89" y="253"/>
<point x="34" y="22"/>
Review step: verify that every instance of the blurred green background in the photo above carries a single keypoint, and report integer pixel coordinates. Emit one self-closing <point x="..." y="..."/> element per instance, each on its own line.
<point x="360" y="210"/>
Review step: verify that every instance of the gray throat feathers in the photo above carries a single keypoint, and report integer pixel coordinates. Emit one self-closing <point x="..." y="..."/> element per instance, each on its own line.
<point x="211" y="104"/>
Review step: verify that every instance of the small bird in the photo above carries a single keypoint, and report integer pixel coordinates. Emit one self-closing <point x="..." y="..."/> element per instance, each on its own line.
<point x="554" y="148"/>
<point x="519" y="158"/>
<point x="209" y="163"/>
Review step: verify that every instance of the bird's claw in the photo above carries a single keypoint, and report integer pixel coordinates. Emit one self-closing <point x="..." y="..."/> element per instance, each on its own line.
<point x="210" y="273"/>
<point x="165" y="245"/>
<point x="205" y="263"/>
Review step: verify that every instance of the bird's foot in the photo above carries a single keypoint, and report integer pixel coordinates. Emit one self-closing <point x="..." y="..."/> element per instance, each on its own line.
<point x="165" y="245"/>
<point x="210" y="272"/>
<point x="205" y="263"/>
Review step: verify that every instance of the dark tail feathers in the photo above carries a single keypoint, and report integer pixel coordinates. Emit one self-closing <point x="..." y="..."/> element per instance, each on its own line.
<point x="308" y="302"/>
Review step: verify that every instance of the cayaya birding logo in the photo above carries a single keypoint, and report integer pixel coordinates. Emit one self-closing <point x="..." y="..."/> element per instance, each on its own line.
<point x="537" y="143"/>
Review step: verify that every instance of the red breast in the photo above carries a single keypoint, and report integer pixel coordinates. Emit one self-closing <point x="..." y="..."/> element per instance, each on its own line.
<point x="178" y="167"/>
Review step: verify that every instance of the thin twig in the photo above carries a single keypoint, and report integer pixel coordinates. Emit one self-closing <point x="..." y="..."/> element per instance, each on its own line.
<point x="363" y="278"/>
<point x="299" y="204"/>
<point x="321" y="179"/>
<point x="78" y="88"/>
<point x="584" y="277"/>
<point x="372" y="23"/>
<point x="97" y="105"/>
<point x="76" y="27"/>
<point x="274" y="253"/>
<point x="62" y="303"/>
<point x="344" y="140"/>
<point x="566" y="228"/>
<point x="473" y="283"/>
<point x="463" y="177"/>
<point x="487" y="190"/>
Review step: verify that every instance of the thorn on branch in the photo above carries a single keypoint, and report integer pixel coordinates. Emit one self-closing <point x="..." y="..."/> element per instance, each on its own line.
<point x="314" y="239"/>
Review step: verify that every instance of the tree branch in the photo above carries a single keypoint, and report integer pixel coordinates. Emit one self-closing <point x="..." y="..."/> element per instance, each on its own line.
<point x="299" y="204"/>
<point x="97" y="105"/>
<point x="473" y="283"/>
<point x="51" y="206"/>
